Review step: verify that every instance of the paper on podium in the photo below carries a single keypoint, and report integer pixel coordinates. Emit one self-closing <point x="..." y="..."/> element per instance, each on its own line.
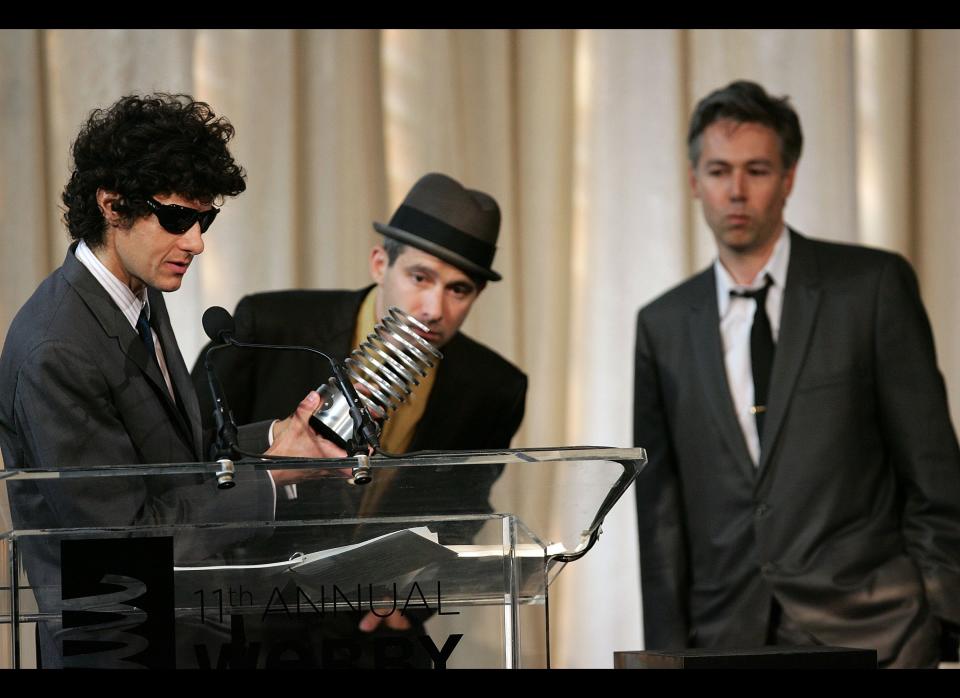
<point x="398" y="558"/>
<point x="375" y="565"/>
<point x="391" y="558"/>
<point x="413" y="555"/>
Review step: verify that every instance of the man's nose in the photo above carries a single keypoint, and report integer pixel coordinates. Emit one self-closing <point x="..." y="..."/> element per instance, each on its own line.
<point x="431" y="304"/>
<point x="737" y="188"/>
<point x="192" y="240"/>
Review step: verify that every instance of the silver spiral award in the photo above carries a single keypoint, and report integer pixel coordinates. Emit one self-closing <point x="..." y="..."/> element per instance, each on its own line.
<point x="386" y="365"/>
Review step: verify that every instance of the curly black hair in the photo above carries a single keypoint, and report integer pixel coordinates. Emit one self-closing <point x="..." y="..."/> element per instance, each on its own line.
<point x="143" y="146"/>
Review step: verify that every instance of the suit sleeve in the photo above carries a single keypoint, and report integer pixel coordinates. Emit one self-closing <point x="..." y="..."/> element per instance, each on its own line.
<point x="67" y="416"/>
<point x="916" y="423"/>
<point x="660" y="514"/>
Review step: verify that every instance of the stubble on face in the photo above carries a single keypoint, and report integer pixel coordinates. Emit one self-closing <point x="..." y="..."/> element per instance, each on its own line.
<point x="433" y="291"/>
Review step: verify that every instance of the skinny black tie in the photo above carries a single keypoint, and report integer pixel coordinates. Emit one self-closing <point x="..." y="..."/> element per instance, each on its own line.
<point x="143" y="327"/>
<point x="761" y="350"/>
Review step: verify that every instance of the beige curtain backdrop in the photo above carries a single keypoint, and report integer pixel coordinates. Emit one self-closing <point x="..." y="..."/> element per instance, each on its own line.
<point x="580" y="135"/>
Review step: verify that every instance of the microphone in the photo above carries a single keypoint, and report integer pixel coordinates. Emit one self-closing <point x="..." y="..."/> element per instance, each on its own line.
<point x="361" y="418"/>
<point x="220" y="327"/>
<point x="218" y="324"/>
<point x="386" y="364"/>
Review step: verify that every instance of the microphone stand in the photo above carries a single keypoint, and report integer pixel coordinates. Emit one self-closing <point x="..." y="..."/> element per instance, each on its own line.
<point x="225" y="444"/>
<point x="366" y="432"/>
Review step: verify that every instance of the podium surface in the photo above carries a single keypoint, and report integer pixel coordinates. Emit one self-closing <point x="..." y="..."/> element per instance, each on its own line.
<point x="449" y="556"/>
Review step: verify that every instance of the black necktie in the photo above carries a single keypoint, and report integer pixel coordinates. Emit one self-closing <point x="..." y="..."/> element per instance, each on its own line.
<point x="761" y="350"/>
<point x="143" y="327"/>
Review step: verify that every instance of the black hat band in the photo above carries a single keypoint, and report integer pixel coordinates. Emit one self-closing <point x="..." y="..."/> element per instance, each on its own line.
<point x="438" y="232"/>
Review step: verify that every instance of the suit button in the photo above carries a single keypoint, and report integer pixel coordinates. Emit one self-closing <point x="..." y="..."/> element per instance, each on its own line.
<point x="761" y="510"/>
<point x="768" y="568"/>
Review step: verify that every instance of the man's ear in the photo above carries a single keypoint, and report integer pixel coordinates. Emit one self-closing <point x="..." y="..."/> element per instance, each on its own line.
<point x="788" y="179"/>
<point x="379" y="261"/>
<point x="692" y="179"/>
<point x="106" y="200"/>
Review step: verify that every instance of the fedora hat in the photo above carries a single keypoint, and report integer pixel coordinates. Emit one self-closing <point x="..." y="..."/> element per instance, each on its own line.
<point x="458" y="225"/>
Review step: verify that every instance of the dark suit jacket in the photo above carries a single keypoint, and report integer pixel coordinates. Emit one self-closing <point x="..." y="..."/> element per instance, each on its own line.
<point x="852" y="520"/>
<point x="477" y="401"/>
<point x="77" y="388"/>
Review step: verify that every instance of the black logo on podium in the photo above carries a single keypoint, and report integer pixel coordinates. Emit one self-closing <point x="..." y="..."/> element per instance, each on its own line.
<point x="117" y="603"/>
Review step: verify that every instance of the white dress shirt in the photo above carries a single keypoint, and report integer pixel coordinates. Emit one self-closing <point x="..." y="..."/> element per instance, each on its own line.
<point x="736" y="320"/>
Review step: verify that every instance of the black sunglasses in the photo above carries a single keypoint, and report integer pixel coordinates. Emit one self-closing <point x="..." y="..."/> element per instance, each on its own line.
<point x="179" y="219"/>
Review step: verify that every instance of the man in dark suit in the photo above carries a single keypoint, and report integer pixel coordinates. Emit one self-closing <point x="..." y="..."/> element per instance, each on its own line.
<point x="91" y="373"/>
<point x="803" y="485"/>
<point x="435" y="261"/>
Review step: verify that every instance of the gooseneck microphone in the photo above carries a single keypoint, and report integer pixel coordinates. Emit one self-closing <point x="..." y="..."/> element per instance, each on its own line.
<point x="225" y="444"/>
<point x="219" y="327"/>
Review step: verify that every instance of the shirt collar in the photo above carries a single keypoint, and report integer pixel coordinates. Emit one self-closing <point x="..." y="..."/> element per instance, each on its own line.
<point x="129" y="303"/>
<point x="776" y="267"/>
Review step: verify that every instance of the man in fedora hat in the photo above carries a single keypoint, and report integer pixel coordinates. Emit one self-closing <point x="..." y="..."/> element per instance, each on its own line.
<point x="434" y="262"/>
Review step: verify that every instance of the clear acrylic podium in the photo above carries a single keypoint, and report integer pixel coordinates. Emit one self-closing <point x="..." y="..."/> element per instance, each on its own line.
<point x="449" y="554"/>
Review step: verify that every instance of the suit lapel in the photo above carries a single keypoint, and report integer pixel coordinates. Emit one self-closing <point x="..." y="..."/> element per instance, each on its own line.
<point x="335" y="329"/>
<point x="801" y="300"/>
<point x="113" y="322"/>
<point x="115" y="325"/>
<point x="704" y="326"/>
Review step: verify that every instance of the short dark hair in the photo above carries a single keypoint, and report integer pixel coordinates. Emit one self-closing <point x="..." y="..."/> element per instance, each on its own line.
<point x="146" y="145"/>
<point x="394" y="248"/>
<point x="743" y="101"/>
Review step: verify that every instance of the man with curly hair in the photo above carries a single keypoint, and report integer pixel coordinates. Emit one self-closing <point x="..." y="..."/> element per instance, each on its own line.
<point x="91" y="373"/>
